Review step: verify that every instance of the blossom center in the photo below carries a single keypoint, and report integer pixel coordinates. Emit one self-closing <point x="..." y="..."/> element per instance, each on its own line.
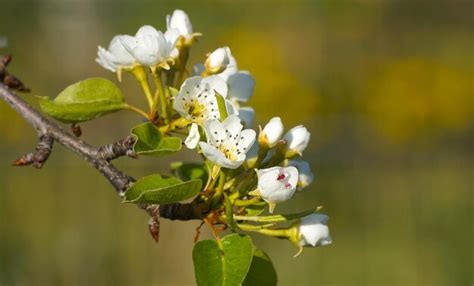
<point x="195" y="109"/>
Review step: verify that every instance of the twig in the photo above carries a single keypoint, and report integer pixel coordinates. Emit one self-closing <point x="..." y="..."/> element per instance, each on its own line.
<point x="99" y="158"/>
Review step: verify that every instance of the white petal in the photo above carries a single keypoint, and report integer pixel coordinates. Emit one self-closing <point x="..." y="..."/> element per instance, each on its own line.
<point x="193" y="138"/>
<point x="246" y="140"/>
<point x="121" y="56"/>
<point x="217" y="157"/>
<point x="217" y="59"/>
<point x="217" y="84"/>
<point x="241" y="86"/>
<point x="247" y="115"/>
<point x="232" y="126"/>
<point x="145" y="56"/>
<point x="231" y="67"/>
<point x="180" y="20"/>
<point x="274" y="189"/>
<point x="215" y="132"/>
<point x="172" y="35"/>
<point x="297" y="138"/>
<point x="178" y="105"/>
<point x="313" y="230"/>
<point x="273" y="130"/>
<point x="232" y="107"/>
<point x="128" y="42"/>
<point x="146" y="30"/>
<point x="104" y="59"/>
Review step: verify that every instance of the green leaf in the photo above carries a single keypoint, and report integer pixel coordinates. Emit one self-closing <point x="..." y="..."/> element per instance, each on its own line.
<point x="84" y="100"/>
<point x="222" y="106"/>
<point x="151" y="142"/>
<point x="224" y="264"/>
<point x="262" y="272"/>
<point x="155" y="189"/>
<point x="190" y="171"/>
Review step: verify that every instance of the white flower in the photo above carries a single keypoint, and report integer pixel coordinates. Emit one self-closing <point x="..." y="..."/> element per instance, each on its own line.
<point x="179" y="20"/>
<point x="297" y="139"/>
<point x="196" y="100"/>
<point x="277" y="184"/>
<point x="227" y="144"/>
<point x="306" y="177"/>
<point x="151" y="47"/>
<point x="313" y="230"/>
<point x="272" y="132"/>
<point x="220" y="60"/>
<point x="193" y="137"/>
<point x="116" y="57"/>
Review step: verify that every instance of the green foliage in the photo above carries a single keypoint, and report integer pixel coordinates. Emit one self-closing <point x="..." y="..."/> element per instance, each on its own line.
<point x="84" y="100"/>
<point x="262" y="272"/>
<point x="151" y="142"/>
<point x="190" y="171"/>
<point x="224" y="263"/>
<point x="222" y="106"/>
<point x="155" y="189"/>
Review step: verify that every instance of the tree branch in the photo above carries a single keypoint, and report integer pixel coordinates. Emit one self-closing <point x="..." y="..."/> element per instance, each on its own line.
<point x="47" y="129"/>
<point x="99" y="158"/>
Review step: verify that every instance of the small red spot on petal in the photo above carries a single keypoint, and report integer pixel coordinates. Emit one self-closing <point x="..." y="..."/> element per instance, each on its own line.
<point x="281" y="177"/>
<point x="288" y="185"/>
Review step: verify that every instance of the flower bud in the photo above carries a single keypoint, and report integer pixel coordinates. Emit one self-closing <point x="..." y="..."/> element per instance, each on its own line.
<point x="297" y="139"/>
<point x="271" y="133"/>
<point x="116" y="57"/>
<point x="313" y="230"/>
<point x="217" y="61"/>
<point x="179" y="20"/>
<point x="306" y="177"/>
<point x="277" y="184"/>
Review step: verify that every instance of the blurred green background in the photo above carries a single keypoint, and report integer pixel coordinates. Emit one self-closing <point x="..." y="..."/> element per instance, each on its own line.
<point x="385" y="87"/>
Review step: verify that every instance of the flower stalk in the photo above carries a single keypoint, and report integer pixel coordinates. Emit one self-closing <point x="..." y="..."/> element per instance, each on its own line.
<point x="139" y="72"/>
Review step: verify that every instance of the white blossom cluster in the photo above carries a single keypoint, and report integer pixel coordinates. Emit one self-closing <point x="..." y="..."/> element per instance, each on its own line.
<point x="224" y="141"/>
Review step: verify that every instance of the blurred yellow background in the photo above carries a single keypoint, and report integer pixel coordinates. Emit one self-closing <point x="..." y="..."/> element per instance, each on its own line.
<point x="385" y="87"/>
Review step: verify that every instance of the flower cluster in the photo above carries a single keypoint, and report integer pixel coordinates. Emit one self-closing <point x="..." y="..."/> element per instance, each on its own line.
<point x="208" y="111"/>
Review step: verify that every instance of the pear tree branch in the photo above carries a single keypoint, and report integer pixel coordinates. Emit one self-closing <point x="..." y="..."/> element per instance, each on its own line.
<point x="50" y="132"/>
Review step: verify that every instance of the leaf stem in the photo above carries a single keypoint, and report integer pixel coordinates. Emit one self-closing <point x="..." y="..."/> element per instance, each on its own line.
<point x="275" y="218"/>
<point x="264" y="229"/>
<point x="220" y="189"/>
<point x="160" y="96"/>
<point x="244" y="203"/>
<point x="136" y="110"/>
